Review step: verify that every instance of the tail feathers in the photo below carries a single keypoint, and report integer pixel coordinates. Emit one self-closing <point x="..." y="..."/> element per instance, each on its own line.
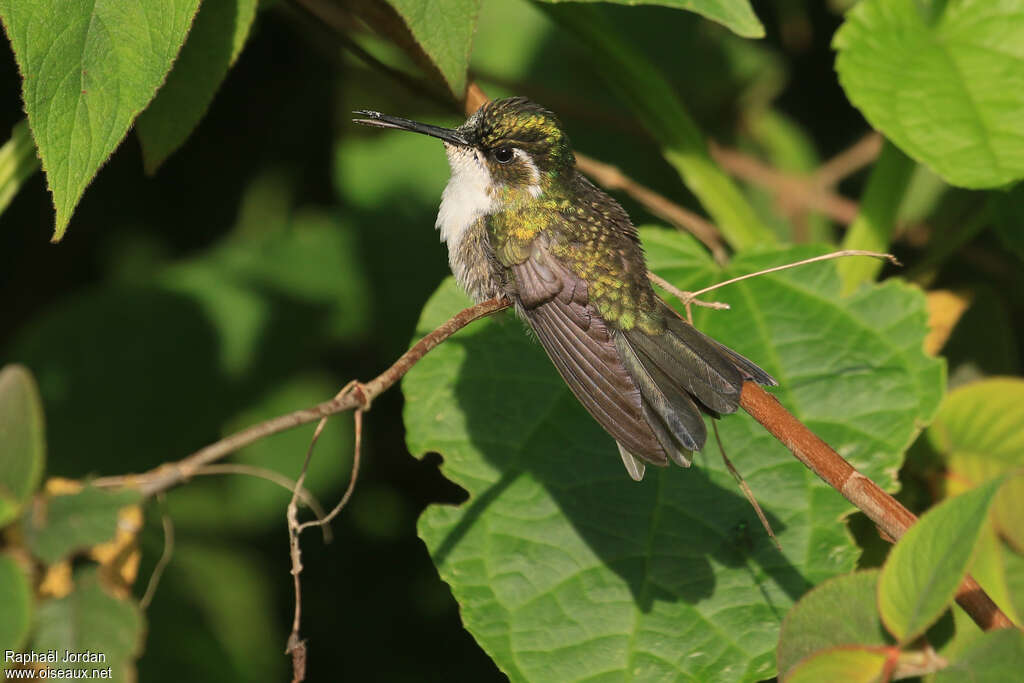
<point x="681" y="373"/>
<point x="671" y="414"/>
<point x="634" y="465"/>
<point x="748" y="368"/>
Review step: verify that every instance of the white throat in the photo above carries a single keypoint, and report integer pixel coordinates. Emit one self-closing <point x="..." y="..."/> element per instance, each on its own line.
<point x="467" y="197"/>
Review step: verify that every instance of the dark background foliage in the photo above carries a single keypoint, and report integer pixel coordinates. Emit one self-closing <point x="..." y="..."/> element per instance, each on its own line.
<point x="279" y="208"/>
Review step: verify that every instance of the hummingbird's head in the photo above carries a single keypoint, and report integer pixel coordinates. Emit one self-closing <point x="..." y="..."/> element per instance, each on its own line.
<point x="512" y="147"/>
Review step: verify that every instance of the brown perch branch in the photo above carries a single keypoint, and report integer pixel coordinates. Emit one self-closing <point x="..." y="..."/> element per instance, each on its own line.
<point x="885" y="511"/>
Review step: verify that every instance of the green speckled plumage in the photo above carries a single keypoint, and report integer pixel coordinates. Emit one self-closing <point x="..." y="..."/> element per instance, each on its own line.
<point x="520" y="221"/>
<point x="590" y="233"/>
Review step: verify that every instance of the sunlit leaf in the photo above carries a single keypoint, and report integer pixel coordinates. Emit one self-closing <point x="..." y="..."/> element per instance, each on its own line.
<point x="736" y="15"/>
<point x="978" y="432"/>
<point x="847" y="664"/>
<point x="923" y="570"/>
<point x="839" y="612"/>
<point x="444" y="30"/>
<point x="942" y="79"/>
<point x="88" y="69"/>
<point x="218" y="34"/>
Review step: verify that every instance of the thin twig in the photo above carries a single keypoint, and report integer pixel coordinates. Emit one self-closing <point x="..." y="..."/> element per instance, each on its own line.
<point x="272" y="476"/>
<point x="165" y="556"/>
<point x="296" y="646"/>
<point x="352" y="479"/>
<point x="881" y="508"/>
<point x="684" y="297"/>
<point x="741" y="482"/>
<point x="824" y="257"/>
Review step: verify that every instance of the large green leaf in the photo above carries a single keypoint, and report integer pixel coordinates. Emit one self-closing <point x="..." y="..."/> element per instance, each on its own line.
<point x="22" y="440"/>
<point x="444" y="30"/>
<point x="58" y="525"/>
<point x="92" y="620"/>
<point x="736" y="15"/>
<point x="566" y="569"/>
<point x="944" y="80"/>
<point x="88" y="69"/>
<point x="978" y="432"/>
<point x="215" y="41"/>
<point x="923" y="570"/>
<point x="16" y="597"/>
<point x="839" y="612"/>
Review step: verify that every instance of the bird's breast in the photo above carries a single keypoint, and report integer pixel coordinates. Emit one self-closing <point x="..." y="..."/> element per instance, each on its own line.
<point x="465" y="204"/>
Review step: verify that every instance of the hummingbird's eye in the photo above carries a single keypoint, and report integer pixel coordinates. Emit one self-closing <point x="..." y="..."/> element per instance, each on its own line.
<point x="503" y="155"/>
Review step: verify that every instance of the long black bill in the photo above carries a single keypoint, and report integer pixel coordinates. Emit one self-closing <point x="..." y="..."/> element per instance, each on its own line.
<point x="378" y="120"/>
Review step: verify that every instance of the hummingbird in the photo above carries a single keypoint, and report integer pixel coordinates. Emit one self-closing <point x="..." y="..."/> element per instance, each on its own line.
<point x="520" y="221"/>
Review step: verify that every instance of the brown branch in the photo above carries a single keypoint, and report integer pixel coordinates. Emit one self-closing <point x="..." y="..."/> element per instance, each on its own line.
<point x="881" y="508"/>
<point x="849" y="161"/>
<point x="171" y="474"/>
<point x="794" y="192"/>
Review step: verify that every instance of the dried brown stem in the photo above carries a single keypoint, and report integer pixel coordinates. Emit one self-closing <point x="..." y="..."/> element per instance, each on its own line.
<point x="849" y="161"/>
<point x="814" y="259"/>
<point x="794" y="193"/>
<point x="881" y="508"/>
<point x="686" y="298"/>
<point x="268" y="475"/>
<point x="165" y="555"/>
<point x="745" y="487"/>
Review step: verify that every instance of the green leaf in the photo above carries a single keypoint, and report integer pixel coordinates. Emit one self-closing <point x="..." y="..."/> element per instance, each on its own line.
<point x="921" y="574"/>
<point x="875" y="224"/>
<point x="88" y="69"/>
<point x="214" y="43"/>
<point x="944" y="80"/>
<point x="444" y="30"/>
<point x="18" y="161"/>
<point x="840" y="611"/>
<point x="645" y="89"/>
<point x="977" y="431"/>
<point x="847" y="664"/>
<point x="736" y="15"/>
<point x="16" y="597"/>
<point x="995" y="656"/>
<point x="566" y="569"/>
<point x="90" y="619"/>
<point x="57" y="526"/>
<point x="23" y="436"/>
